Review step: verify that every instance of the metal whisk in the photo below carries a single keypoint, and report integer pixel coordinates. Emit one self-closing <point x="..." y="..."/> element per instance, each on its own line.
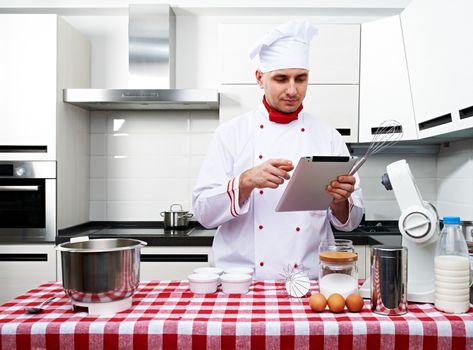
<point x="297" y="282"/>
<point x="385" y="135"/>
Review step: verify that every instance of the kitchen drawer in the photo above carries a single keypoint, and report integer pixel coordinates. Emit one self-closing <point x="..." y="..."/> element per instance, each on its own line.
<point x="24" y="267"/>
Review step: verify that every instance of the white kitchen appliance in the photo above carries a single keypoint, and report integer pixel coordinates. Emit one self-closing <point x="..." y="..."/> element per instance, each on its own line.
<point x="419" y="226"/>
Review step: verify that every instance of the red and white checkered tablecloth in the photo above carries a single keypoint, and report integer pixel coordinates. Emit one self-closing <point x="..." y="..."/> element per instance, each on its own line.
<point x="165" y="314"/>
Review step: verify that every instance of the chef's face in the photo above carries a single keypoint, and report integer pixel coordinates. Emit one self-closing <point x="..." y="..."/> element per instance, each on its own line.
<point x="284" y="89"/>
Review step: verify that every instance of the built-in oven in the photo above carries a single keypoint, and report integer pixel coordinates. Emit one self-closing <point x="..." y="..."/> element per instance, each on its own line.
<point x="27" y="201"/>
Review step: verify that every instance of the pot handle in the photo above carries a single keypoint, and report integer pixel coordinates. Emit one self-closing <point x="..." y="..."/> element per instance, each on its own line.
<point x="142" y="243"/>
<point x="179" y="205"/>
<point x="186" y="215"/>
<point x="79" y="239"/>
<point x="162" y="213"/>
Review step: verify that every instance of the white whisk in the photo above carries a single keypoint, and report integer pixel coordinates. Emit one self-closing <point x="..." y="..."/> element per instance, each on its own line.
<point x="386" y="134"/>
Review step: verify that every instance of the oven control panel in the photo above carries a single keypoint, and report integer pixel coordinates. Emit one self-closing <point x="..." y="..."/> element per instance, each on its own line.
<point x="22" y="169"/>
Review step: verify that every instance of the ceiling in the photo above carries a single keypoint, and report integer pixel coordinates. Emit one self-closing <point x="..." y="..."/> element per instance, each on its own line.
<point x="213" y="7"/>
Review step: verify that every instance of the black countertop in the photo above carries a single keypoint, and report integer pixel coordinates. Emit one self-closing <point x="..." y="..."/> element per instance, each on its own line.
<point x="153" y="233"/>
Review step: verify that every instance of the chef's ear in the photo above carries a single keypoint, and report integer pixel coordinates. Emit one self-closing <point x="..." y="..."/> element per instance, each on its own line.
<point x="259" y="78"/>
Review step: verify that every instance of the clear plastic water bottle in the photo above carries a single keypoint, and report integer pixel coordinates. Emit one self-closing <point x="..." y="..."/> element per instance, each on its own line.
<point x="452" y="269"/>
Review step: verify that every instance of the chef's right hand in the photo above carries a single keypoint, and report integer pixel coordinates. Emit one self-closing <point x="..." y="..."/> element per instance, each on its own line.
<point x="269" y="174"/>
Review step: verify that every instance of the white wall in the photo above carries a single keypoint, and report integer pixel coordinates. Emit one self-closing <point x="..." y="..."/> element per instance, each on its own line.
<point x="455" y="180"/>
<point x="142" y="162"/>
<point x="152" y="161"/>
<point x="381" y="204"/>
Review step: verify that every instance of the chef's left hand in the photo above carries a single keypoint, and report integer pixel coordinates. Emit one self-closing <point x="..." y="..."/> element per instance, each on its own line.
<point x="341" y="188"/>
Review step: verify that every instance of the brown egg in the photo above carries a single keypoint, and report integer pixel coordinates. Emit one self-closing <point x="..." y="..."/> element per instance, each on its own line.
<point x="336" y="302"/>
<point x="354" y="302"/>
<point x="317" y="302"/>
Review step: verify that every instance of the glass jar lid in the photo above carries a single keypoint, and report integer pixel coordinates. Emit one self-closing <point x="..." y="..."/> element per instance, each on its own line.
<point x="338" y="257"/>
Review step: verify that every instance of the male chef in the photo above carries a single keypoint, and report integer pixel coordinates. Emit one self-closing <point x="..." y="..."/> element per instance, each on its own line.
<point x="248" y="162"/>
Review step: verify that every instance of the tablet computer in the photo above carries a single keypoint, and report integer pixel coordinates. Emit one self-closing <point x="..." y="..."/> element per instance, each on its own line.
<point x="306" y="188"/>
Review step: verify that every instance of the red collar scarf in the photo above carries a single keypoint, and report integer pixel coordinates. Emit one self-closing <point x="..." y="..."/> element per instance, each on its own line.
<point x="280" y="117"/>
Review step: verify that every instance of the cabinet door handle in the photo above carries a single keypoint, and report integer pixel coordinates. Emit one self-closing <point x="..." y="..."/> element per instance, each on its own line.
<point x="444" y="119"/>
<point x="19" y="188"/>
<point x="23" y="149"/>
<point x="174" y="258"/>
<point x="466" y="112"/>
<point x="23" y="257"/>
<point x="344" y="131"/>
<point x="395" y="129"/>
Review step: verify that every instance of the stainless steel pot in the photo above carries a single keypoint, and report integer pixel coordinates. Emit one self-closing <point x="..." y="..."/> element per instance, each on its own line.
<point x="101" y="270"/>
<point x="176" y="219"/>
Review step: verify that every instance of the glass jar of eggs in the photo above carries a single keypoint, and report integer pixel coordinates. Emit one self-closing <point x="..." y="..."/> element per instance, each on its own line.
<point x="338" y="273"/>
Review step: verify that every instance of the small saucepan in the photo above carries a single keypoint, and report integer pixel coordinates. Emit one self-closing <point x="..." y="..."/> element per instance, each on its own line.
<point x="176" y="219"/>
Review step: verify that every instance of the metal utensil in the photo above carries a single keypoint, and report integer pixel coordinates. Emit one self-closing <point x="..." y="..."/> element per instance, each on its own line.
<point x="40" y="307"/>
<point x="176" y="219"/>
<point x="389" y="280"/>
<point x="385" y="135"/>
<point x="101" y="270"/>
<point x="297" y="282"/>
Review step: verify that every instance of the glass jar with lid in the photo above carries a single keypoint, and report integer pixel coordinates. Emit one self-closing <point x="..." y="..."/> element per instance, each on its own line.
<point x="338" y="273"/>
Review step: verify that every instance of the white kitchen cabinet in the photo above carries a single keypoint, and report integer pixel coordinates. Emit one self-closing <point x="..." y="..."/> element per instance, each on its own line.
<point x="334" y="52"/>
<point x="41" y="55"/>
<point x="24" y="267"/>
<point x="439" y="53"/>
<point x="336" y="104"/>
<point x="172" y="263"/>
<point x="28" y="83"/>
<point x="385" y="92"/>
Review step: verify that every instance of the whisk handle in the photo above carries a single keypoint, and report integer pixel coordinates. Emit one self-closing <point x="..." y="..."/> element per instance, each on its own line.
<point x="358" y="165"/>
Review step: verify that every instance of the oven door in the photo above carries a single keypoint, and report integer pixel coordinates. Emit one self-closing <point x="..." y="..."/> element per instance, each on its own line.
<point x="27" y="210"/>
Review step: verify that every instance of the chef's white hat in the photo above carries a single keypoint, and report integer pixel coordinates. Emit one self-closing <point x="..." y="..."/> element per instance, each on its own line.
<point x="286" y="46"/>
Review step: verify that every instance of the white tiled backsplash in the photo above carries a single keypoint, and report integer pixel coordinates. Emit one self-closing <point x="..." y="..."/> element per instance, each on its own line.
<point x="455" y="180"/>
<point x="142" y="162"/>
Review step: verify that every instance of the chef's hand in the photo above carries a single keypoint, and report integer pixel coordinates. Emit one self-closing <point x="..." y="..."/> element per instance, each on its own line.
<point x="340" y="190"/>
<point x="269" y="174"/>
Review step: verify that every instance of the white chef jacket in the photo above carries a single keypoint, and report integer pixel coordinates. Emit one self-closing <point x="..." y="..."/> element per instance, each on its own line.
<point x="254" y="235"/>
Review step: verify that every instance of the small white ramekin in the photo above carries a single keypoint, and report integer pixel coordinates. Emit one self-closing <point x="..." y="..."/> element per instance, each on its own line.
<point x="208" y="269"/>
<point x="203" y="283"/>
<point x="235" y="283"/>
<point x="240" y="270"/>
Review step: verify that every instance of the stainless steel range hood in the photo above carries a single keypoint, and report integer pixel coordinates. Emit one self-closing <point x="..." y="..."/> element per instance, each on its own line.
<point x="151" y="64"/>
